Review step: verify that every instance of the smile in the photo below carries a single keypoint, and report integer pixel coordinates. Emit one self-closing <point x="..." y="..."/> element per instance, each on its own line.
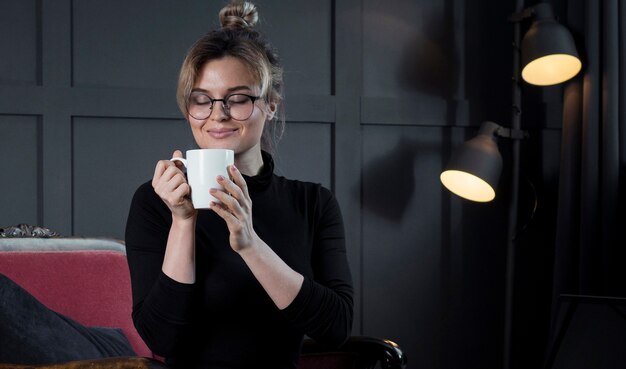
<point x="222" y="133"/>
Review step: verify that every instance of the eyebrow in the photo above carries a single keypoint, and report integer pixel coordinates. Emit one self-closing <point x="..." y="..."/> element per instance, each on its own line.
<point x="230" y="89"/>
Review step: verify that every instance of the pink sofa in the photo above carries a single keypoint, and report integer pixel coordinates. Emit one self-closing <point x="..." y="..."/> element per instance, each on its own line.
<point x="86" y="279"/>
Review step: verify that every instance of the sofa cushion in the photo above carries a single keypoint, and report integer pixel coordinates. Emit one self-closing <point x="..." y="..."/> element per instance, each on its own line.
<point x="90" y="285"/>
<point x="33" y="334"/>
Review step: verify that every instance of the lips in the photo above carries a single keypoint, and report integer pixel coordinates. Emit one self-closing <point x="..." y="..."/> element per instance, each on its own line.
<point x="222" y="133"/>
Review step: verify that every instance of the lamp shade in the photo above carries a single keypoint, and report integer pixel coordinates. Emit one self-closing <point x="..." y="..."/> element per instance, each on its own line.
<point x="474" y="169"/>
<point x="549" y="54"/>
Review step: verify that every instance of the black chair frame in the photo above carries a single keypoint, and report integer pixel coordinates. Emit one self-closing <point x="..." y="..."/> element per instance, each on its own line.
<point x="369" y="351"/>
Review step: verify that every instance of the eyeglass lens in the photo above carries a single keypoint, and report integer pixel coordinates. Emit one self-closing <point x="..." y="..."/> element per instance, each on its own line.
<point x="236" y="106"/>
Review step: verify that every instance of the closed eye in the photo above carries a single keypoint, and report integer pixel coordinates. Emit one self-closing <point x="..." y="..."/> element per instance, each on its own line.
<point x="200" y="99"/>
<point x="238" y="99"/>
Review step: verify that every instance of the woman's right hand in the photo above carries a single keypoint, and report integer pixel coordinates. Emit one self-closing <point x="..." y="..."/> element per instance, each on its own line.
<point x="170" y="184"/>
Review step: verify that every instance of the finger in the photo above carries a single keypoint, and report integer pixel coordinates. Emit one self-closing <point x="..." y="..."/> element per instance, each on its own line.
<point x="233" y="197"/>
<point x="228" y="201"/>
<point x="230" y="187"/>
<point x="171" y="178"/>
<point x="159" y="170"/>
<point x="175" y="191"/>
<point x="238" y="179"/>
<point x="181" y="193"/>
<point x="223" y="212"/>
<point x="162" y="166"/>
<point x="172" y="171"/>
<point x="178" y="163"/>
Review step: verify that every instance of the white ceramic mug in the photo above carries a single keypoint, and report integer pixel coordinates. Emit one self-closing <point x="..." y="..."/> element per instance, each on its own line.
<point x="203" y="167"/>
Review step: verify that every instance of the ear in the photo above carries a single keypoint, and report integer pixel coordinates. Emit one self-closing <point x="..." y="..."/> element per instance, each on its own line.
<point x="272" y="110"/>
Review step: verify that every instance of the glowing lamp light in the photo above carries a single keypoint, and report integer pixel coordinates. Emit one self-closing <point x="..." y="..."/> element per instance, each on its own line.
<point x="467" y="186"/>
<point x="551" y="69"/>
<point x="549" y="54"/>
<point x="474" y="169"/>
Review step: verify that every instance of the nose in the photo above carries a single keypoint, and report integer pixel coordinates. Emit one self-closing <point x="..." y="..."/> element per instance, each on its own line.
<point x="221" y="113"/>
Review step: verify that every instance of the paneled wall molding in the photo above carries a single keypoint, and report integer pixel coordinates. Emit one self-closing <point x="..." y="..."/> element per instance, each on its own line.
<point x="427" y="111"/>
<point x="56" y="42"/>
<point x="138" y="102"/>
<point x="125" y="102"/>
<point x="15" y="99"/>
<point x="311" y="108"/>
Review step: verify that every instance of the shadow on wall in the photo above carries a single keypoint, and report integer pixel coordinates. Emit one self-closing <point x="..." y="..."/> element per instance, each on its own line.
<point x="430" y="64"/>
<point x="430" y="61"/>
<point x="390" y="179"/>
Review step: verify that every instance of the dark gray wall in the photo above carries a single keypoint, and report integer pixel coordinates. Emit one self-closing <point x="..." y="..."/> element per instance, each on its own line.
<point x="377" y="95"/>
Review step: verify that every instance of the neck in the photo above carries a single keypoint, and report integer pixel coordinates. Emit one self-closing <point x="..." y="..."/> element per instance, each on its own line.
<point x="249" y="162"/>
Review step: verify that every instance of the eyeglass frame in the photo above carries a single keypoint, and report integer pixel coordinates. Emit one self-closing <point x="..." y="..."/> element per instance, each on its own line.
<point x="225" y="105"/>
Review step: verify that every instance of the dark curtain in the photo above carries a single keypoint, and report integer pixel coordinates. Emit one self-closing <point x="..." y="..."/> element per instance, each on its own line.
<point x="590" y="249"/>
<point x="590" y="257"/>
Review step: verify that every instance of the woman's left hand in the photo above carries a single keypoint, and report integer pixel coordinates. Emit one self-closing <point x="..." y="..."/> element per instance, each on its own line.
<point x="235" y="209"/>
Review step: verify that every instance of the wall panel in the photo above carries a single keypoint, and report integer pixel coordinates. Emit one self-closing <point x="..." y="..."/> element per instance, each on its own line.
<point x="403" y="44"/>
<point x="21" y="170"/>
<point x="111" y="158"/>
<point x="401" y="241"/>
<point x="305" y="153"/>
<point x="20" y="45"/>
<point x="140" y="52"/>
<point x="306" y="48"/>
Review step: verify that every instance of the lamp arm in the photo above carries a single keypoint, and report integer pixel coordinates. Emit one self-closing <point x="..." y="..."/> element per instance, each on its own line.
<point x="489" y="128"/>
<point x="520" y="16"/>
<point x="539" y="11"/>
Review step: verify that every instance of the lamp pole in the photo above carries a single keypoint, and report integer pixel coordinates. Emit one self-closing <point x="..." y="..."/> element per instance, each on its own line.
<point x="516" y="111"/>
<point x="477" y="158"/>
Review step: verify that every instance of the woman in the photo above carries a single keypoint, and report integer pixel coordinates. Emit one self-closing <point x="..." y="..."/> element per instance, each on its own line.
<point x="239" y="285"/>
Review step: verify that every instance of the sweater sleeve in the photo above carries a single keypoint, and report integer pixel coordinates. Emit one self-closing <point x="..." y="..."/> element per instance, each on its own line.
<point x="323" y="309"/>
<point x="161" y="306"/>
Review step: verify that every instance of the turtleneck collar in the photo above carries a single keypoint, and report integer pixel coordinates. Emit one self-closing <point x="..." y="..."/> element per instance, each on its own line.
<point x="262" y="180"/>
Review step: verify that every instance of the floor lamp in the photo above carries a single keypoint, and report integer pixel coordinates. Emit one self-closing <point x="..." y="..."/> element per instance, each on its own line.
<point x="545" y="56"/>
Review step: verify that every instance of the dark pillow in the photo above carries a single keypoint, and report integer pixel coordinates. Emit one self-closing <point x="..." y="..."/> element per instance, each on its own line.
<point x="33" y="334"/>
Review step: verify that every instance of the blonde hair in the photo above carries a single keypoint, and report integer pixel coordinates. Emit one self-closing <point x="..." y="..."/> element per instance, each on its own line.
<point x="238" y="38"/>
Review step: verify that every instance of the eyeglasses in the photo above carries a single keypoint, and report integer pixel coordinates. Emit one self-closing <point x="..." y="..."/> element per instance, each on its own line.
<point x="236" y="106"/>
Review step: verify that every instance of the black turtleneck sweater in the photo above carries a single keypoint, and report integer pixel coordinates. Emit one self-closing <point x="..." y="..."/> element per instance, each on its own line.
<point x="226" y="319"/>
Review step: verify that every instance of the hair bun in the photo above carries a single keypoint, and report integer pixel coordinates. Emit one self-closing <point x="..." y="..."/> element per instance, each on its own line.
<point x="239" y="14"/>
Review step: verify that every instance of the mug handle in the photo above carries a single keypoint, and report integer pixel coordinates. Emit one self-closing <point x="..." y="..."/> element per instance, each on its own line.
<point x="182" y="160"/>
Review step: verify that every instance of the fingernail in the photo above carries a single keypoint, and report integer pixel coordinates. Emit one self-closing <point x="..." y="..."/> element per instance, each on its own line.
<point x="234" y="168"/>
<point x="212" y="190"/>
<point x="220" y="178"/>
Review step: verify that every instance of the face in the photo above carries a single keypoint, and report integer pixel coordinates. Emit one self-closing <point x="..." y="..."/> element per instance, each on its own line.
<point x="218" y="79"/>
